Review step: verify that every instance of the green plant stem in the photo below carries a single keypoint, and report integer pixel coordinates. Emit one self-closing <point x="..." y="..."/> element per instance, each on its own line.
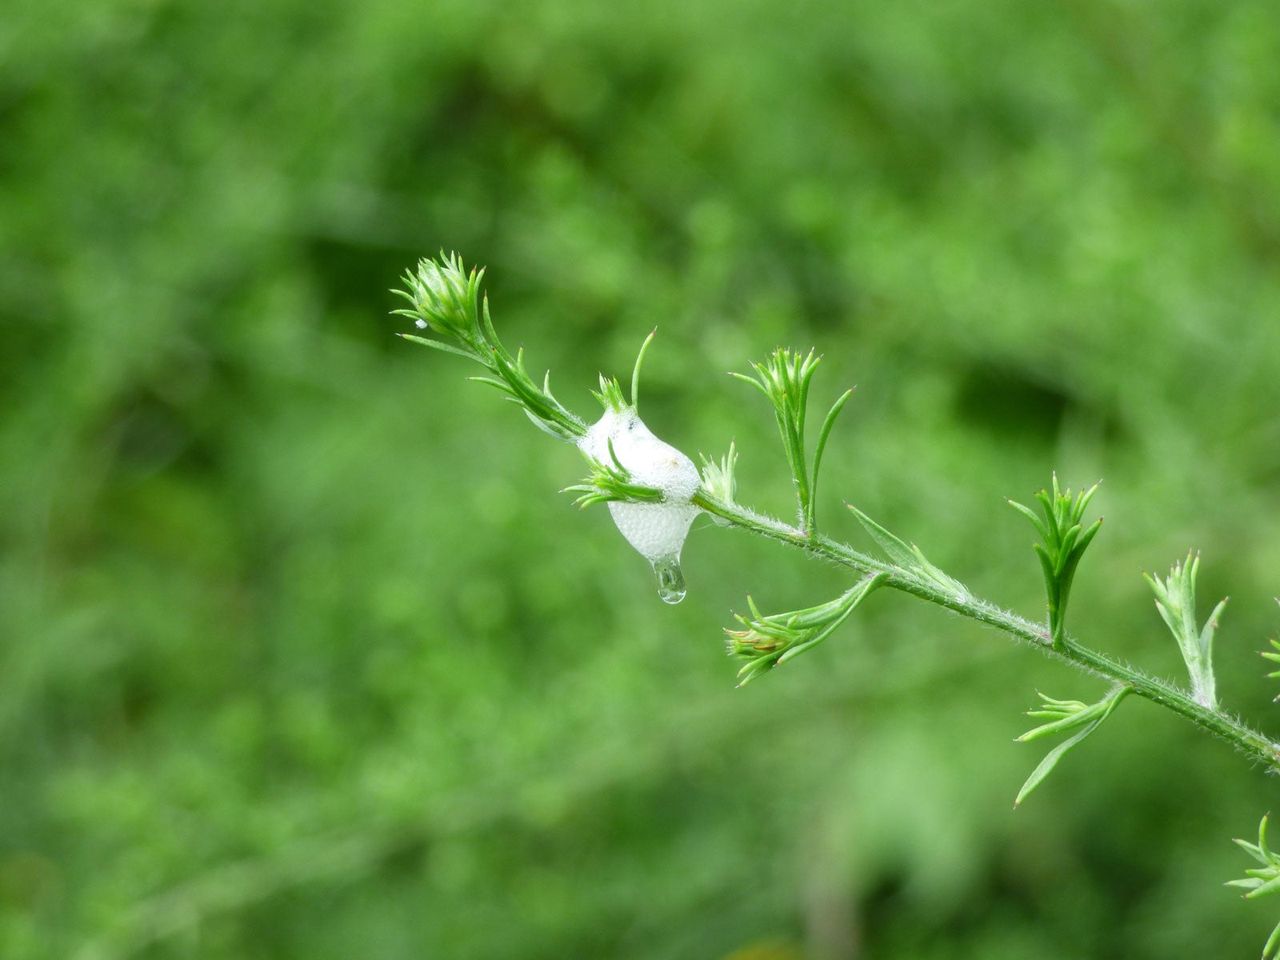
<point x="1253" y="744"/>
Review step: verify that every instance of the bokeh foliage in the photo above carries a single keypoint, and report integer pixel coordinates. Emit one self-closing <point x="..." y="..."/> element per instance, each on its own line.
<point x="301" y="655"/>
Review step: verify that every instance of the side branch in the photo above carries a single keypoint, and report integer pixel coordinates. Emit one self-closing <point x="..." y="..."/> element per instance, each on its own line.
<point x="1253" y="744"/>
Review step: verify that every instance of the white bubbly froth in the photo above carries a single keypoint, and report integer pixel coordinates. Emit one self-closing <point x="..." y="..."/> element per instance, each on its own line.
<point x="656" y="530"/>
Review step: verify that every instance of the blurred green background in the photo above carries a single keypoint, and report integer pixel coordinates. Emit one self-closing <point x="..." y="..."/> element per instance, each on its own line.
<point x="302" y="655"/>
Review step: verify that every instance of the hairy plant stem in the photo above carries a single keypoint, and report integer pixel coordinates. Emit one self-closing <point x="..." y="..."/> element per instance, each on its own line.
<point x="1253" y="744"/>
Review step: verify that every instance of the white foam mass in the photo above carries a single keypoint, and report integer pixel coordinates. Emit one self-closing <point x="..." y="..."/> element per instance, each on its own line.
<point x="656" y="530"/>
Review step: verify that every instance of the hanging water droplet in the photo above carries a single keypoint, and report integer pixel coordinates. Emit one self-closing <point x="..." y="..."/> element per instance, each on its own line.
<point x="671" y="586"/>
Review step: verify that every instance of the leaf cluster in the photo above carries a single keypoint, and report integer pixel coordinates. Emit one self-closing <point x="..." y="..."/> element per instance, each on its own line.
<point x="767" y="641"/>
<point x="445" y="298"/>
<point x="784" y="378"/>
<point x="1261" y="880"/>
<point x="1063" y="541"/>
<point x="1064" y="716"/>
<point x="1176" y="601"/>
<point x="719" y="478"/>
<point x="1274" y="656"/>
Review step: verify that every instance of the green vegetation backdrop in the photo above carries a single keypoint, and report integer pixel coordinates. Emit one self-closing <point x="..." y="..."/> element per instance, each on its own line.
<point x="302" y="655"/>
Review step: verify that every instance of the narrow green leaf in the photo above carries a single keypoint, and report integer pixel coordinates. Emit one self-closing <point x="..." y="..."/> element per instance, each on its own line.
<point x="751" y="380"/>
<point x="436" y="345"/>
<point x="1045" y="767"/>
<point x="635" y="373"/>
<point x="1247" y="883"/>
<point x="1050" y="574"/>
<point x="1032" y="516"/>
<point x="1252" y="849"/>
<point x="492" y="382"/>
<point x="1264" y="888"/>
<point x="818" y="450"/>
<point x="1272" y="944"/>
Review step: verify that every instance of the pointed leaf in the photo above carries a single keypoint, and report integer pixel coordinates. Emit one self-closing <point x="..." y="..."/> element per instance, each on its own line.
<point x="907" y="556"/>
<point x="1045" y="767"/>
